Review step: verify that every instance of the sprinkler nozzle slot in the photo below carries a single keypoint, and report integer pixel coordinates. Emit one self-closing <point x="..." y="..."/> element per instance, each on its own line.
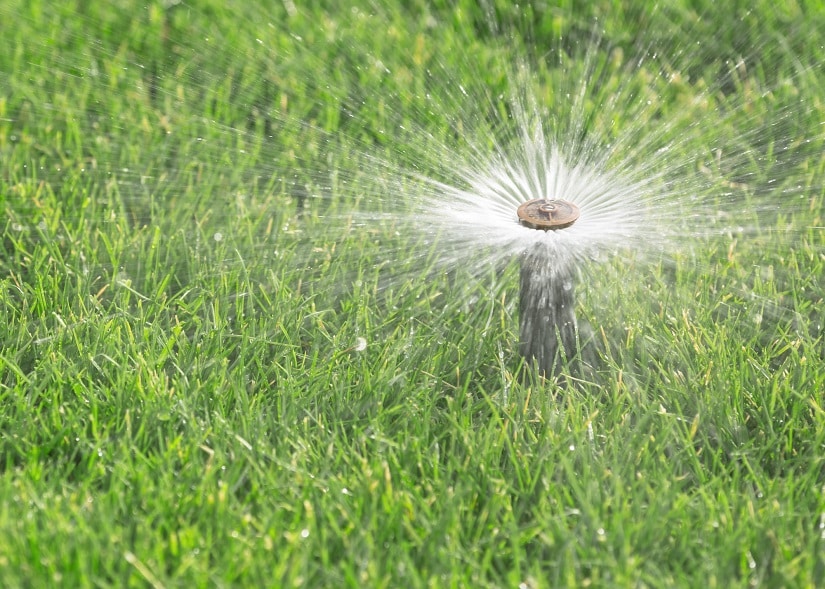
<point x="546" y="214"/>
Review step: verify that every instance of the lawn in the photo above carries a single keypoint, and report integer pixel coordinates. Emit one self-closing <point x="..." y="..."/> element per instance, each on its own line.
<point x="230" y="356"/>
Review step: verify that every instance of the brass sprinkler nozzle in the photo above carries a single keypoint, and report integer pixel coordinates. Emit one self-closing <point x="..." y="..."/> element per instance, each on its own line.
<point x="546" y="214"/>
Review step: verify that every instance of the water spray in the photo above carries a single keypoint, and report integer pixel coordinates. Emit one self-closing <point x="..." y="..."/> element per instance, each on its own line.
<point x="547" y="318"/>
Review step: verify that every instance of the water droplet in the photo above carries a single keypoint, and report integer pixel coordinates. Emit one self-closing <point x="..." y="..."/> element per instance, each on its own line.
<point x="305" y="533"/>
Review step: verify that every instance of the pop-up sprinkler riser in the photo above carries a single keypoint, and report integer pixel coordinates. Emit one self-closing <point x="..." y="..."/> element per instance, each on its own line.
<point x="547" y="295"/>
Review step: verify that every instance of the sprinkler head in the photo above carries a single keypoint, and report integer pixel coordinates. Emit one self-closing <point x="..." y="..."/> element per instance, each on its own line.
<point x="545" y="214"/>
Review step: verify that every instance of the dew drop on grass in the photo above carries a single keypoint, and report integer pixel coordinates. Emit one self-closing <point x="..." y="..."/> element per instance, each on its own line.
<point x="305" y="533"/>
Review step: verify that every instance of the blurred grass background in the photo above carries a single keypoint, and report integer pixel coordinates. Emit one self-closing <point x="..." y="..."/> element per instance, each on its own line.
<point x="205" y="382"/>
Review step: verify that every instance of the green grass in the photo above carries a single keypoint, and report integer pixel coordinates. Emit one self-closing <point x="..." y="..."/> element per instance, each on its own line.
<point x="183" y="397"/>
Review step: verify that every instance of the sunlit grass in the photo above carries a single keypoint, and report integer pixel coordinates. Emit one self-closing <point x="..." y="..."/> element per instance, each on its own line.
<point x="212" y="375"/>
